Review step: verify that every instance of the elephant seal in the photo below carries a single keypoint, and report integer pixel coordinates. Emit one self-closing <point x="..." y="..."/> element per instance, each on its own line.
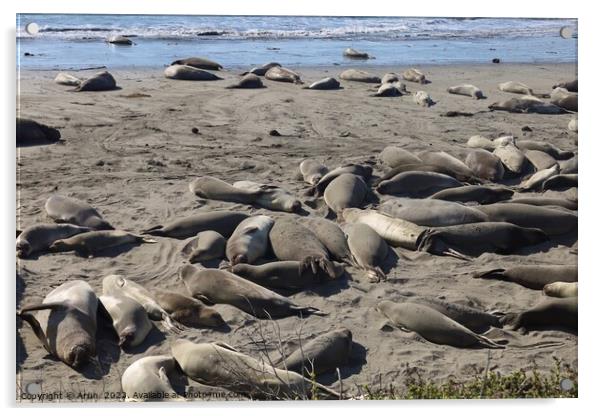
<point x="532" y="276"/>
<point x="545" y="147"/>
<point x="468" y="90"/>
<point x="515" y="88"/>
<point x="222" y="222"/>
<point x="561" y="289"/>
<point x="40" y="237"/>
<point x="207" y="245"/>
<point x="555" y="312"/>
<point x="564" y="99"/>
<point x="369" y="250"/>
<point x="65" y="322"/>
<point x="364" y="171"/>
<point x="346" y="191"/>
<point x="394" y="156"/>
<point x="359" y="76"/>
<point x="572" y="86"/>
<point x="561" y="182"/>
<point x="248" y="81"/>
<point x="388" y="90"/>
<point x="148" y="379"/>
<point x="331" y="236"/>
<point x="250" y="240"/>
<point x="526" y="105"/>
<point x="102" y="81"/>
<point x="130" y="319"/>
<point x="432" y="212"/>
<point x="117" y="285"/>
<point x="288" y="275"/>
<point x="395" y="231"/>
<point x="63" y="78"/>
<point x="323" y="354"/>
<point x="189" y="73"/>
<point x="569" y="166"/>
<point x="278" y="73"/>
<point x="546" y="201"/>
<point x="188" y="311"/>
<point x="200" y="63"/>
<point x="422" y="167"/>
<point x="432" y="325"/>
<point x="63" y="209"/>
<point x="450" y="163"/>
<point x="485" y="165"/>
<point x="535" y="181"/>
<point x="220" y="365"/>
<point x="416" y="184"/>
<point x="573" y="125"/>
<point x="480" y="142"/>
<point x="390" y="78"/>
<point x="328" y="83"/>
<point x="512" y="157"/>
<point x="270" y="196"/>
<point x="476" y="239"/>
<point x="31" y="133"/>
<point x="355" y="54"/>
<point x="414" y="75"/>
<point x="541" y="160"/>
<point x="214" y="286"/>
<point x="312" y="171"/>
<point x="119" y="40"/>
<point x="91" y="242"/>
<point x="291" y="240"/>
<point x="212" y="188"/>
<point x="423" y="99"/>
<point x="474" y="193"/>
<point x="260" y="71"/>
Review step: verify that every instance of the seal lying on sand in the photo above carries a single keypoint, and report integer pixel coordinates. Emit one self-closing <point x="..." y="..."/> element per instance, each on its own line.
<point x="394" y="156"/>
<point x="102" y="81"/>
<point x="512" y="157"/>
<point x="66" y="322"/>
<point x="248" y="81"/>
<point x="327" y="83"/>
<point x="40" y="237"/>
<point x="119" y="40"/>
<point x="468" y="90"/>
<point x="331" y="235"/>
<point x="546" y="202"/>
<point x="485" y="165"/>
<point x="63" y="78"/>
<point x="91" y="242"/>
<point x="207" y="245"/>
<point x="278" y="73"/>
<point x="270" y="196"/>
<point x="432" y="212"/>
<point x="260" y="71"/>
<point x="222" y="222"/>
<point x="415" y="184"/>
<point x="189" y="73"/>
<point x="288" y="275"/>
<point x="249" y="241"/>
<point x="414" y="75"/>
<point x="515" y="88"/>
<point x="450" y="163"/>
<point x="148" y="379"/>
<point x="130" y="319"/>
<point x="561" y="182"/>
<point x="432" y="325"/>
<point x="564" y="99"/>
<point x="545" y="147"/>
<point x="549" y="312"/>
<point x="346" y="191"/>
<point x="70" y="210"/>
<point x="323" y="354"/>
<point x="532" y="276"/>
<point x="30" y="132"/>
<point x="390" y="90"/>
<point x="390" y="78"/>
<point x="536" y="181"/>
<point x="524" y="105"/>
<point x="200" y="63"/>
<point x="541" y="160"/>
<point x="312" y="171"/>
<point x="219" y="286"/>
<point x="359" y="76"/>
<point x="369" y="250"/>
<point x="480" y="142"/>
<point x="561" y="289"/>
<point x="188" y="311"/>
<point x="220" y="365"/>
<point x="572" y="86"/>
<point x="423" y="99"/>
<point x="354" y="54"/>
<point x="364" y="171"/>
<point x="475" y="193"/>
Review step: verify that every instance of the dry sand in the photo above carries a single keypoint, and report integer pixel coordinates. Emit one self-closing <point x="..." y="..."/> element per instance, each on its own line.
<point x="131" y="154"/>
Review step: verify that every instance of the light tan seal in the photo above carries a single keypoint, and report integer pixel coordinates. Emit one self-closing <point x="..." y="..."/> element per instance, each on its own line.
<point x="346" y="191"/>
<point x="423" y="99"/>
<point x="468" y="90"/>
<point x="148" y="379"/>
<point x="355" y="54"/>
<point x="248" y="81"/>
<point x="63" y="78"/>
<point x="431" y="212"/>
<point x="89" y="243"/>
<point x="250" y="240"/>
<point x="102" y="81"/>
<point x="515" y="88"/>
<point x="207" y="245"/>
<point x="359" y="76"/>
<point x="312" y="171"/>
<point x="222" y="222"/>
<point x="561" y="289"/>
<point x="414" y="75"/>
<point x="200" y="63"/>
<point x="129" y="317"/>
<point x="288" y="275"/>
<point x="394" y="156"/>
<point x="369" y="250"/>
<point x="39" y="237"/>
<point x="70" y="210"/>
<point x="485" y="165"/>
<point x="278" y="73"/>
<point x="189" y="73"/>
<point x="535" y="276"/>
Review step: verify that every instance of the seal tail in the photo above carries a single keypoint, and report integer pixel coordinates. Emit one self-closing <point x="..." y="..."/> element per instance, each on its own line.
<point x="490" y="274"/>
<point x="156" y="230"/>
<point x="486" y="342"/>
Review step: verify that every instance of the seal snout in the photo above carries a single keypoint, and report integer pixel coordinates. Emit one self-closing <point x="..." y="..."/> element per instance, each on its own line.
<point x="79" y="356"/>
<point x="239" y="258"/>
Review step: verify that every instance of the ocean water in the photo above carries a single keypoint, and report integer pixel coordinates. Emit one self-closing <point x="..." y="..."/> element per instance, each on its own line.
<point x="78" y="41"/>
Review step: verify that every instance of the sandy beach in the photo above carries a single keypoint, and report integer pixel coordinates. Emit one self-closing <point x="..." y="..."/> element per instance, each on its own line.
<point x="131" y="154"/>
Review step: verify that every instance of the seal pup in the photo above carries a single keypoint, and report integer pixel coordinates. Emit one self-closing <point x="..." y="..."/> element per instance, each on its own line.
<point x="564" y="99"/>
<point x="474" y="193"/>
<point x="188" y="311"/>
<point x="207" y="245"/>
<point x="541" y="160"/>
<point x="423" y="99"/>
<point x="431" y="212"/>
<point x="148" y="379"/>
<point x="480" y="142"/>
<point x="189" y="73"/>
<point x="65" y="322"/>
<point x="40" y="237"/>
<point x="278" y="73"/>
<point x="212" y="188"/>
<point x="572" y="86"/>
<point x="414" y="75"/>
<point x="364" y="171"/>
<point x="465" y="240"/>
<point x="130" y="319"/>
<point x="222" y="222"/>
<point x="546" y="201"/>
<point x="390" y="78"/>
<point x="63" y="78"/>
<point x="561" y="289"/>
<point x="328" y="83"/>
<point x="214" y="286"/>
<point x="551" y="311"/>
<point x="416" y="184"/>
<point x="312" y="171"/>
<point x="394" y="156"/>
<point x="355" y="54"/>
<point x="220" y="365"/>
<point x="260" y="71"/>
<point x="88" y="243"/>
<point x="450" y="163"/>
<point x="102" y="81"/>
<point x="291" y="240"/>
<point x="288" y="275"/>
<point x="270" y="197"/>
<point x="545" y="147"/>
<point x="515" y="88"/>
<point x="526" y="105"/>
<point x="30" y="132"/>
<point x="369" y="250"/>
<point x="117" y="285"/>
<point x="395" y="231"/>
<point x="346" y="191"/>
<point x="535" y="276"/>
<point x="359" y="76"/>
<point x="560" y="182"/>
<point x="119" y="40"/>
<point x="468" y="90"/>
<point x="248" y="81"/>
<point x="535" y="181"/>
<point x="485" y="165"/>
<point x="512" y="157"/>
<point x="250" y="240"/>
<point x="63" y="209"/>
<point x="322" y="354"/>
<point x="432" y="325"/>
<point x="200" y="63"/>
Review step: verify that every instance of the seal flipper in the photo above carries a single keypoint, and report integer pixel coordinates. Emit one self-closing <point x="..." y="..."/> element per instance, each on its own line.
<point x="26" y="315"/>
<point x="486" y="342"/>
<point x="310" y="310"/>
<point x="156" y="230"/>
<point x="490" y="274"/>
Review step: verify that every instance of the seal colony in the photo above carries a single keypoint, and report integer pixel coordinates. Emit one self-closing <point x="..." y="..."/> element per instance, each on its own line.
<point x="323" y="231"/>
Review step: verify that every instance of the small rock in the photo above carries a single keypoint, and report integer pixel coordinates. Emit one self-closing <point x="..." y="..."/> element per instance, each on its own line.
<point x="345" y="134"/>
<point x="210" y="33"/>
<point x="274" y="133"/>
<point x="100" y="163"/>
<point x="526" y="128"/>
<point x="496" y="60"/>
<point x="247" y="165"/>
<point x="28" y="54"/>
<point x="195" y="130"/>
